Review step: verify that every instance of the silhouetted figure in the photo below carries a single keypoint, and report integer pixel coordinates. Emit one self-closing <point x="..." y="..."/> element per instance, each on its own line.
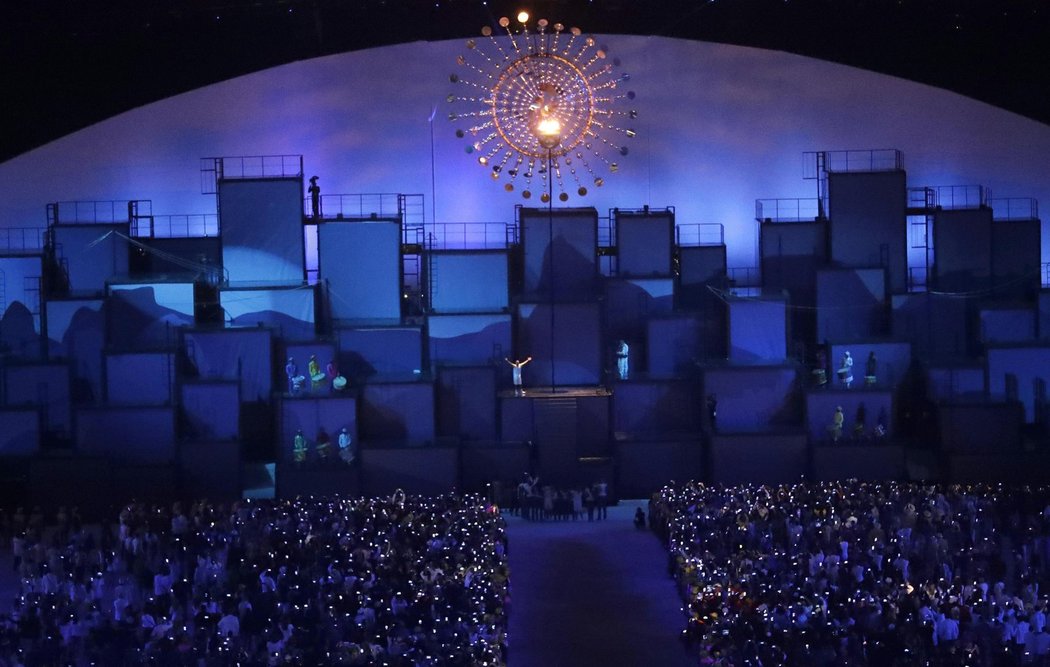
<point x="315" y="197"/>
<point x="820" y="371"/>
<point x="601" y="498"/>
<point x="292" y="371"/>
<point x="639" y="519"/>
<point x="324" y="445"/>
<point x="859" y="425"/>
<point x="870" y="369"/>
<point x="880" y="425"/>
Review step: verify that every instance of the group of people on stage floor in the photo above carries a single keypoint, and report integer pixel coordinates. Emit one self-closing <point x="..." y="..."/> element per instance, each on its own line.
<point x="545" y="502"/>
<point x="400" y="581"/>
<point x="315" y="381"/>
<point x="854" y="573"/>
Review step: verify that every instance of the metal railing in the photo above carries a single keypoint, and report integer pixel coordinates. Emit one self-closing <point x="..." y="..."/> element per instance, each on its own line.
<point x="385" y="205"/>
<point x="699" y="234"/>
<point x="877" y="159"/>
<point x="788" y="210"/>
<point x="925" y="198"/>
<point x="744" y="276"/>
<point x="467" y="235"/>
<point x="22" y="239"/>
<point x="215" y="169"/>
<point x="97" y="212"/>
<point x="606" y="232"/>
<point x="955" y="197"/>
<point x="1014" y="208"/>
<point x="191" y="225"/>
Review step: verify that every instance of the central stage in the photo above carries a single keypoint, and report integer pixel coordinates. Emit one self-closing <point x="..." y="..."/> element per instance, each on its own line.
<point x="557" y="392"/>
<point x="565" y="429"/>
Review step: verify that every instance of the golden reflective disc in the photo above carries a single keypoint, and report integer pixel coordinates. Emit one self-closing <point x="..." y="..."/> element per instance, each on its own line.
<point x="504" y="22"/>
<point x="545" y="198"/>
<point x="564" y="196"/>
<point x="486" y="31"/>
<point x="582" y="191"/>
<point x="525" y="194"/>
<point x="509" y="187"/>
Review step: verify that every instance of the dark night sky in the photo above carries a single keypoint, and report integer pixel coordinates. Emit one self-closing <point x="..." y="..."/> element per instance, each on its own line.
<point x="65" y="64"/>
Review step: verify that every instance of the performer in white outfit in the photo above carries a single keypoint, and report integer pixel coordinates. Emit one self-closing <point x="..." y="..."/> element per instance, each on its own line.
<point x="622" y="353"/>
<point x="516" y="373"/>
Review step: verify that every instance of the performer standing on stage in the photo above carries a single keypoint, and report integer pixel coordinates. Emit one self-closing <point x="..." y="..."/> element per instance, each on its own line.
<point x="299" y="447"/>
<point x="846" y="370"/>
<point x="324" y="444"/>
<point x="870" y="369"/>
<point x="316" y="376"/>
<point x="516" y="374"/>
<point x="346" y="453"/>
<point x="836" y="424"/>
<point x="291" y="370"/>
<point x="315" y="197"/>
<point x="331" y="372"/>
<point x="622" y="353"/>
<point x="820" y="371"/>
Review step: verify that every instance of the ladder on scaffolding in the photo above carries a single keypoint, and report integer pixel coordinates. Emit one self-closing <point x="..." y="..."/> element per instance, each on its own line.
<point x="922" y="204"/>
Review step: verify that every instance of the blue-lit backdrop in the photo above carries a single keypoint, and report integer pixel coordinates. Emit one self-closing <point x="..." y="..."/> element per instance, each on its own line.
<point x="719" y="127"/>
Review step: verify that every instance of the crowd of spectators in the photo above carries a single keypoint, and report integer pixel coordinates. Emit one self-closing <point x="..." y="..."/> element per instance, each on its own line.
<point x="402" y="581"/>
<point x="852" y="573"/>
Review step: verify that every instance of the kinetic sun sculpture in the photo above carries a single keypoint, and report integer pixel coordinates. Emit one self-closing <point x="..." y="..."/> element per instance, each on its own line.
<point x="542" y="105"/>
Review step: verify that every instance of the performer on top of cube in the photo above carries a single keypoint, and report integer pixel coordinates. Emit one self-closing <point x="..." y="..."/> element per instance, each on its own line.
<point x="516" y="373"/>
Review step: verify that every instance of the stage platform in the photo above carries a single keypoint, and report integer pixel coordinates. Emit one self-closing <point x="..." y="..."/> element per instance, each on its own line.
<point x="557" y="392"/>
